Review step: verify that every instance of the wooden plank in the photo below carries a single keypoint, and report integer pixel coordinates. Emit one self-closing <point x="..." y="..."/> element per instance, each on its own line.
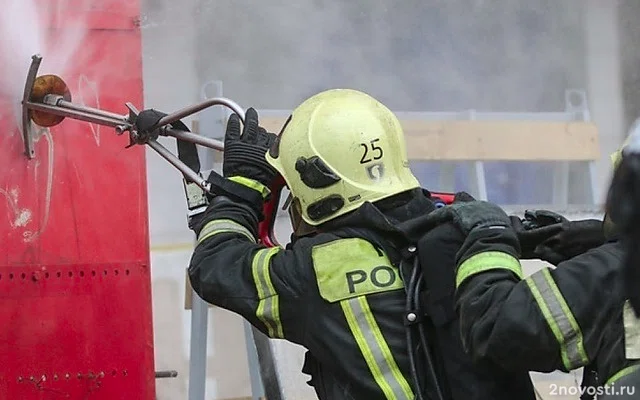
<point x="501" y="140"/>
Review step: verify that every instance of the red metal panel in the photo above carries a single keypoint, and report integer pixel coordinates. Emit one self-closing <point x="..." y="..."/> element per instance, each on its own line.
<point x="75" y="295"/>
<point x="102" y="14"/>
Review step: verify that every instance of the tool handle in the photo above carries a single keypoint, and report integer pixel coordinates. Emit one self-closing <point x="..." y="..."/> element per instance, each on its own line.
<point x="446" y="198"/>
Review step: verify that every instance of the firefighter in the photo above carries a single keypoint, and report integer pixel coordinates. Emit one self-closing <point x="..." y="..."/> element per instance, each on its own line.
<point x="338" y="288"/>
<point x="573" y="316"/>
<point x="622" y="203"/>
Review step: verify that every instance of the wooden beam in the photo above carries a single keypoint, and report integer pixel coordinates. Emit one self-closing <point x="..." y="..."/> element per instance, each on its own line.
<point x="501" y="141"/>
<point x="492" y="140"/>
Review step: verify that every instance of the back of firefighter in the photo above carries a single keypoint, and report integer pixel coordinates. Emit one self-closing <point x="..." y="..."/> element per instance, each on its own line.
<point x="573" y="316"/>
<point x="336" y="289"/>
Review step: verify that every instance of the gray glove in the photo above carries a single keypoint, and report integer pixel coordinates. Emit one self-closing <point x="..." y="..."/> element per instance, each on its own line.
<point x="471" y="215"/>
<point x="487" y="228"/>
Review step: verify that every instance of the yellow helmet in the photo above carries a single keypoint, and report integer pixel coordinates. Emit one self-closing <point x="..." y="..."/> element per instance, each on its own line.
<point x="339" y="149"/>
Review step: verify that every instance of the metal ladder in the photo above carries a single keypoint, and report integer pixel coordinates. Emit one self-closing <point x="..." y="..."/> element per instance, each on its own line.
<point x="212" y="125"/>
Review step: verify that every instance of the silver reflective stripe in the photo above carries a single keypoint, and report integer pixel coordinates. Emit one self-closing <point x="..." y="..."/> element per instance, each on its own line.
<point x="223" y="226"/>
<point x="559" y="318"/>
<point x="631" y="333"/>
<point x="375" y="350"/>
<point x="268" y="310"/>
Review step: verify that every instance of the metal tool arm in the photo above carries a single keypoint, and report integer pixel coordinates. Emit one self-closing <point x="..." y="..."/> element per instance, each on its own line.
<point x="192" y="137"/>
<point x="182" y="167"/>
<point x="56" y="105"/>
<point x="190" y="110"/>
<point x="49" y="96"/>
<point x="49" y="101"/>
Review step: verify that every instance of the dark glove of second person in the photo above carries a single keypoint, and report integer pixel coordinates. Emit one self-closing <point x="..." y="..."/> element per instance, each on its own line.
<point x="245" y="150"/>
<point x="536" y="227"/>
<point x="551" y="237"/>
<point x="575" y="238"/>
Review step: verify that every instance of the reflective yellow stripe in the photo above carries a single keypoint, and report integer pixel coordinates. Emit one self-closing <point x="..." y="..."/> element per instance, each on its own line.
<point x="621" y="374"/>
<point x="268" y="310"/>
<point x="251" y="184"/>
<point x="559" y="318"/>
<point x="375" y="350"/>
<point x="487" y="261"/>
<point x="223" y="226"/>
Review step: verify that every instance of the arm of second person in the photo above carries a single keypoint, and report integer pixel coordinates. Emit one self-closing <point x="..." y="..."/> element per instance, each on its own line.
<point x="550" y="320"/>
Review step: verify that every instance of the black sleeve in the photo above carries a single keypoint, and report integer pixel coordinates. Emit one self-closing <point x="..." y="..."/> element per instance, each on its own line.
<point x="231" y="270"/>
<point x="437" y="251"/>
<point x="550" y="320"/>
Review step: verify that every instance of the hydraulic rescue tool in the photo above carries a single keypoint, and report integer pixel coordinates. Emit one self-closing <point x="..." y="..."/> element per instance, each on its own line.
<point x="47" y="102"/>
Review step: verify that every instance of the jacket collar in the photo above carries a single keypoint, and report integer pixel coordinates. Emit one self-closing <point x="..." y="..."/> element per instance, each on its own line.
<point x="398" y="219"/>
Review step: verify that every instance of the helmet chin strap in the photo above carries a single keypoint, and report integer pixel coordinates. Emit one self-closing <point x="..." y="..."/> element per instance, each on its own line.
<point x="299" y="226"/>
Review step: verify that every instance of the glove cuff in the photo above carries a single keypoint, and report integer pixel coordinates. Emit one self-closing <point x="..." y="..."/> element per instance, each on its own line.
<point x="238" y="192"/>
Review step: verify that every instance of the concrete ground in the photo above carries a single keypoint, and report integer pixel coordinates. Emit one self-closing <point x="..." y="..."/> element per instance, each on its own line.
<point x="227" y="365"/>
